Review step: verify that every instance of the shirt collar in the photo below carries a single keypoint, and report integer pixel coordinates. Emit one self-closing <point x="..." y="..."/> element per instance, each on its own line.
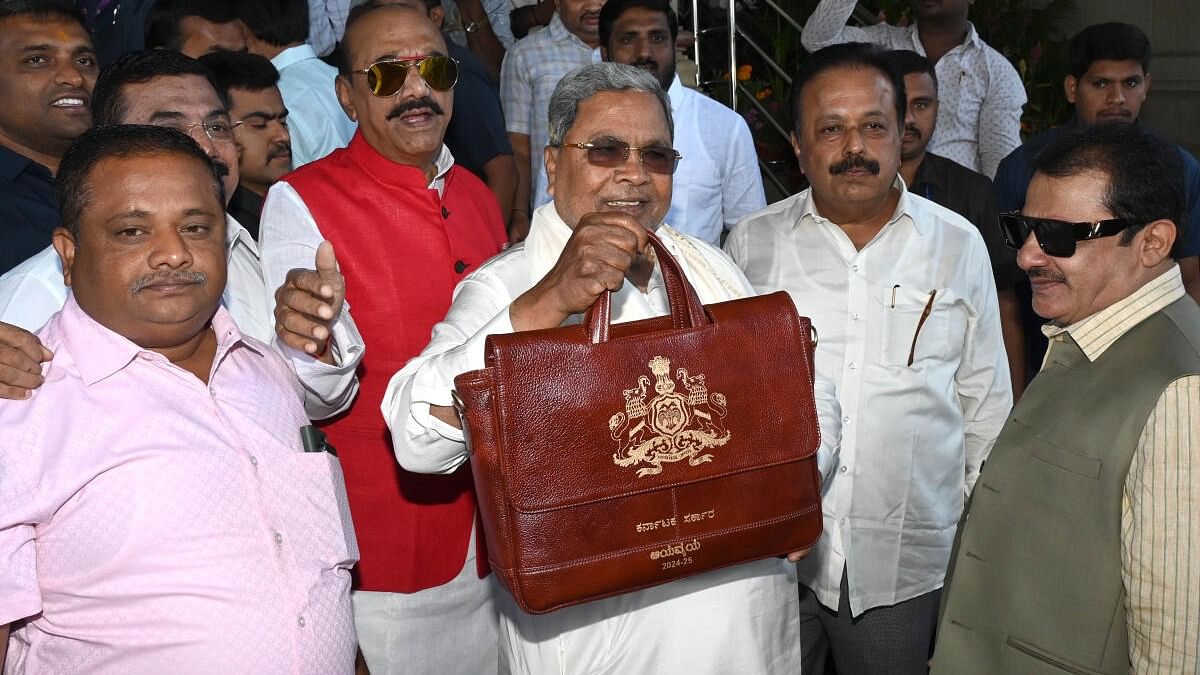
<point x="904" y="207"/>
<point x="100" y="353"/>
<point x="292" y="55"/>
<point x="1096" y="333"/>
<point x="972" y="40"/>
<point x="930" y="171"/>
<point x="559" y="33"/>
<point x="236" y="235"/>
<point x="13" y="164"/>
<point x="394" y="174"/>
<point x="675" y="93"/>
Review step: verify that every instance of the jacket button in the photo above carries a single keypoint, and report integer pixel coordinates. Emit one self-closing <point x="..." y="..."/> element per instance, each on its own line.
<point x="460" y="267"/>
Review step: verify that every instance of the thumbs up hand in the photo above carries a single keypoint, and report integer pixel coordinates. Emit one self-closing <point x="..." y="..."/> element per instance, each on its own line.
<point x="308" y="303"/>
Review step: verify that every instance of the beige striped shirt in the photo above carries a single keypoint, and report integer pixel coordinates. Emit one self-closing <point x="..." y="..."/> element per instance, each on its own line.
<point x="1160" y="511"/>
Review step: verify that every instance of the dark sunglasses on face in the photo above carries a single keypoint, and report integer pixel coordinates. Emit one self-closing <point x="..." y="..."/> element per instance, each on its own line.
<point x="612" y="154"/>
<point x="385" y="78"/>
<point x="1055" y="237"/>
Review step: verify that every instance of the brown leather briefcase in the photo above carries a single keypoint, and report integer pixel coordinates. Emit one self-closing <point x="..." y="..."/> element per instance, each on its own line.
<point x="613" y="458"/>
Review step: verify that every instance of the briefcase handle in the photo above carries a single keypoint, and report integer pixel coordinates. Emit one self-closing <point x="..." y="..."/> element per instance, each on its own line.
<point x="686" y="308"/>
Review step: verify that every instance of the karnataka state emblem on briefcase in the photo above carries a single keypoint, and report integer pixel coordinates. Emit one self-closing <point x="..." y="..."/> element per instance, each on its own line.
<point x="671" y="426"/>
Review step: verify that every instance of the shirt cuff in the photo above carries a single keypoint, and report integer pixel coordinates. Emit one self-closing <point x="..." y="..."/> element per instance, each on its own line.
<point x="329" y="388"/>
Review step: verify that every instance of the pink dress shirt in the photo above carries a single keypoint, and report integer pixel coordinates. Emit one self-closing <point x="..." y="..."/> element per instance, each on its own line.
<point x="152" y="524"/>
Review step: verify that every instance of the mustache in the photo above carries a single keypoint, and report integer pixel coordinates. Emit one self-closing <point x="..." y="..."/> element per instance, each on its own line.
<point x="855" y="162"/>
<point x="645" y="62"/>
<point x="1045" y="273"/>
<point x="909" y="129"/>
<point x="589" y="15"/>
<point x="279" y="150"/>
<point x="180" y="277"/>
<point x="416" y="104"/>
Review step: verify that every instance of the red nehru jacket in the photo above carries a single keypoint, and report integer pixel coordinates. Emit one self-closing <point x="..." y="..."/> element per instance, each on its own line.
<point x="402" y="249"/>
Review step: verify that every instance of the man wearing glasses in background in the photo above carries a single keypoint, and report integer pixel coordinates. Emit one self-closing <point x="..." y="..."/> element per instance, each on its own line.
<point x="902" y="292"/>
<point x="1079" y="551"/>
<point x="408" y="224"/>
<point x="261" y="132"/>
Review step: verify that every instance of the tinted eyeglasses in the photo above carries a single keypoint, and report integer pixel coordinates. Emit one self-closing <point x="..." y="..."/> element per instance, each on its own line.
<point x="612" y="154"/>
<point x="385" y="78"/>
<point x="1056" y="237"/>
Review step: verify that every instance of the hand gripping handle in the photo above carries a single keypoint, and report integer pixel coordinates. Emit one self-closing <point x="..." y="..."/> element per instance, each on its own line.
<point x="686" y="310"/>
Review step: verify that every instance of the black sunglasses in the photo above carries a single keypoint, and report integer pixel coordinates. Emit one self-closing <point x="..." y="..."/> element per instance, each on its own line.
<point x="1056" y="237"/>
<point x="611" y="154"/>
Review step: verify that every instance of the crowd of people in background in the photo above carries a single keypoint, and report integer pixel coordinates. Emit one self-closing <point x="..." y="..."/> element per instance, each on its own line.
<point x="245" y="248"/>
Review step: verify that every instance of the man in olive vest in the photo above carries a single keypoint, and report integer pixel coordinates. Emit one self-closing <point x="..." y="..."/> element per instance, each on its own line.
<point x="1080" y="550"/>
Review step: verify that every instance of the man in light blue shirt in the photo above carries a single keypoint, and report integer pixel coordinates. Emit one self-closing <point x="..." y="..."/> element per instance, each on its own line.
<point x="278" y="30"/>
<point x="718" y="180"/>
<point x="531" y="70"/>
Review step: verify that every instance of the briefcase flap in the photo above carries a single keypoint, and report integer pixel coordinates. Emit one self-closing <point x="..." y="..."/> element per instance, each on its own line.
<point x="684" y="406"/>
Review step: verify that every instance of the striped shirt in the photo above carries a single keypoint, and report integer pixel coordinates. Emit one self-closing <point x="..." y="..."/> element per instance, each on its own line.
<point x="1160" y="510"/>
<point x="531" y="71"/>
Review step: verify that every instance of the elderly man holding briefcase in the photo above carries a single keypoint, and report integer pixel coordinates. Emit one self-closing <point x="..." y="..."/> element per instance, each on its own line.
<point x="676" y="416"/>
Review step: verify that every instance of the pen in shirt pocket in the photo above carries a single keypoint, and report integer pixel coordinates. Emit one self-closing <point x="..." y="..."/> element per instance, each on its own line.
<point x="912" y="351"/>
<point x="315" y="440"/>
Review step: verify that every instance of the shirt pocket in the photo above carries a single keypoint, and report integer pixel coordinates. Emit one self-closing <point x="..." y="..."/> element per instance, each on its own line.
<point x="904" y="334"/>
<point x="324" y="513"/>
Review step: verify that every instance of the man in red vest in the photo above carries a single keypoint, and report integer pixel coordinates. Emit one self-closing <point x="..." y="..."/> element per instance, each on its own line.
<point x="407" y="225"/>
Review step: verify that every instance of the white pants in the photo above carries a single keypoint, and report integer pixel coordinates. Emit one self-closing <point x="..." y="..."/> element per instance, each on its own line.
<point x="445" y="630"/>
<point x="741" y="620"/>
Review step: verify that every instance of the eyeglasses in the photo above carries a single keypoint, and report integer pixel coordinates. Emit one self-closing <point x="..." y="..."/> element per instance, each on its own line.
<point x="612" y="154"/>
<point x="216" y="127"/>
<point x="1056" y="237"/>
<point x="385" y="78"/>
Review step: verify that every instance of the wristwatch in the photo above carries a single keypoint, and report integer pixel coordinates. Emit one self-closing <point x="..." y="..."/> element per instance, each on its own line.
<point x="474" y="26"/>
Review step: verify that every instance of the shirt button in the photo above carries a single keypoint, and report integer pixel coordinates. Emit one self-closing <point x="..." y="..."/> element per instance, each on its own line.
<point x="845" y="420"/>
<point x="856" y="316"/>
<point x="853" y="366"/>
<point x="460" y="267"/>
<point x="278" y="538"/>
<point x="301" y="622"/>
<point x="253" y="461"/>
<point x="854" y="267"/>
<point x="843" y="469"/>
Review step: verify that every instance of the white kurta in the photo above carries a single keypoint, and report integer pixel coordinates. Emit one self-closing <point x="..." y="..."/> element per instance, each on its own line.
<point x="742" y="619"/>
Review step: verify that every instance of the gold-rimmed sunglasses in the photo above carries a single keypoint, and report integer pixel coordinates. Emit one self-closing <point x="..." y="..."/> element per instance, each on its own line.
<point x="387" y="77"/>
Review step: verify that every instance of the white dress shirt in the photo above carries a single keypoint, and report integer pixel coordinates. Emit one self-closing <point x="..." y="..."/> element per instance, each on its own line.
<point x="33" y="291"/>
<point x="913" y="436"/>
<point x="742" y="619"/>
<point x="717" y="182"/>
<point x="315" y="118"/>
<point x="980" y="94"/>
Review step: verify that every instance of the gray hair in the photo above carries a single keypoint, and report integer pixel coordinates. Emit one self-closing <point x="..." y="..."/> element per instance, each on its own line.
<point x="592" y="79"/>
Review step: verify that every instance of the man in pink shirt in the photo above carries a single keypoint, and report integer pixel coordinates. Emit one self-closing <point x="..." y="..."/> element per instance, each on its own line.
<point x="158" y="510"/>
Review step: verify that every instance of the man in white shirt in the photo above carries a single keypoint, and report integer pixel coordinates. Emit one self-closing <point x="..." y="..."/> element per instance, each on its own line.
<point x="902" y="293"/>
<point x="589" y="240"/>
<point x="278" y="30"/>
<point x="979" y="121"/>
<point x="718" y="181"/>
<point x="166" y="88"/>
